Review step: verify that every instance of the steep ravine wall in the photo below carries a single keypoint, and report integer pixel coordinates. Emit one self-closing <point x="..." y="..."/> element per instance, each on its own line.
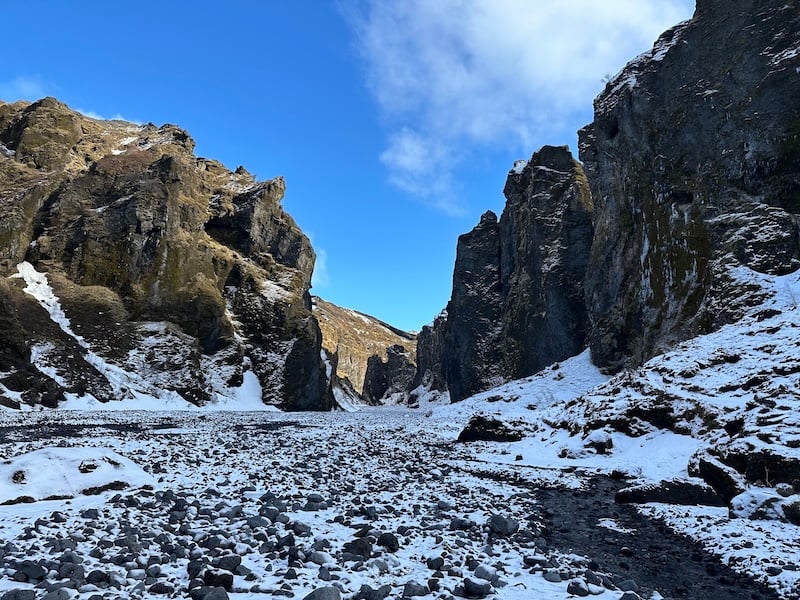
<point x="691" y="169"/>
<point x="176" y="275"/>
<point x="517" y="301"/>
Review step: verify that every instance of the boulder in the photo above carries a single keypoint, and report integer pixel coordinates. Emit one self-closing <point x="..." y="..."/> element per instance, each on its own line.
<point x="725" y="481"/>
<point x="671" y="491"/>
<point x="488" y="429"/>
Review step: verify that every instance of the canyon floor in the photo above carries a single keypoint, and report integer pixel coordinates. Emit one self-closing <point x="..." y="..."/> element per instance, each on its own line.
<point x="370" y="504"/>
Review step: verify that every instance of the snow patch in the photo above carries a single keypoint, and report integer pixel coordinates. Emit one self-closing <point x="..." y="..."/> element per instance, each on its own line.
<point x="273" y="292"/>
<point x="519" y="166"/>
<point x="36" y="285"/>
<point x="612" y="525"/>
<point x="123" y="143"/>
<point x="66" y="473"/>
<point x="786" y="55"/>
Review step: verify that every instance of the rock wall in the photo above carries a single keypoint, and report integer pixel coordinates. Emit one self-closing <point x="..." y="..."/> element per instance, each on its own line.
<point x="472" y="360"/>
<point x="517" y="301"/>
<point x="430" y="373"/>
<point x="546" y="232"/>
<point x="694" y="164"/>
<point x="389" y="378"/>
<point x="186" y="255"/>
<point x="692" y="170"/>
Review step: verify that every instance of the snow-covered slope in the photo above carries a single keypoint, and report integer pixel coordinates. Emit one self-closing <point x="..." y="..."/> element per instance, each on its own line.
<point x="730" y="398"/>
<point x="133" y="383"/>
<point x="63" y="473"/>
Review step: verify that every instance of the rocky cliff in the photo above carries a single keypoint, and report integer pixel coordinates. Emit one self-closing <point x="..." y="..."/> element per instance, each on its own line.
<point x="694" y="164"/>
<point x="691" y="170"/>
<point x="517" y="301"/>
<point x="132" y="268"/>
<point x="372" y="359"/>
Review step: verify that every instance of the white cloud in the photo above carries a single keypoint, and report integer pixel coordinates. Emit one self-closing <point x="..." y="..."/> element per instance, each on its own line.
<point x="456" y="76"/>
<point x="93" y="115"/>
<point x="23" y="88"/>
<point x="420" y="165"/>
<point x="321" y="277"/>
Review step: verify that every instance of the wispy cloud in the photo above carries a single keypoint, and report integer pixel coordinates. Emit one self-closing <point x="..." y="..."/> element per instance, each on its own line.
<point x="454" y="77"/>
<point x="24" y="87"/>
<point x="321" y="277"/>
<point x="420" y="165"/>
<point x="93" y="115"/>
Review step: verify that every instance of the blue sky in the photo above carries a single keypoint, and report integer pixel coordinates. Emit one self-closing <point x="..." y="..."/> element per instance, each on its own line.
<point x="394" y="122"/>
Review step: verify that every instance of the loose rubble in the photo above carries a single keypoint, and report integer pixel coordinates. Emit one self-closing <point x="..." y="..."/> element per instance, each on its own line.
<point x="316" y="506"/>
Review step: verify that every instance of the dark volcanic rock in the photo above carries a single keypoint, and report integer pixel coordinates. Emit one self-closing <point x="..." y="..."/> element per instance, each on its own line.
<point x="694" y="164"/>
<point x="673" y="491"/>
<point x="546" y="237"/>
<point x="430" y="354"/>
<point x="723" y="479"/>
<point x="517" y="303"/>
<point x="472" y="360"/>
<point x="488" y="429"/>
<point x="135" y="231"/>
<point x="383" y="378"/>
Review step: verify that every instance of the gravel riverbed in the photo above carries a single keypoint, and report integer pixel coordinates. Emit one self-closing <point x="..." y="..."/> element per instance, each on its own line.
<point x="365" y="505"/>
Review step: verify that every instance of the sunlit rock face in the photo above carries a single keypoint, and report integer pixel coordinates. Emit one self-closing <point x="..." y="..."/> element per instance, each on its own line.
<point x="175" y="274"/>
<point x="369" y="357"/>
<point x="694" y="164"/>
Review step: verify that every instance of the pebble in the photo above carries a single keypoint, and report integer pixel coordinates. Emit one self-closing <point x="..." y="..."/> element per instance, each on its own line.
<point x="476" y="588"/>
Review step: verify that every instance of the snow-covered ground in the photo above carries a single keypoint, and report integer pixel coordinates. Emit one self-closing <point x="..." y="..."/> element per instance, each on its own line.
<point x="287" y="496"/>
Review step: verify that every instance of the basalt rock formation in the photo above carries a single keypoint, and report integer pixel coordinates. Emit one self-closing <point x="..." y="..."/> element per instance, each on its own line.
<point x="472" y="336"/>
<point x="517" y="301"/>
<point x="388" y="378"/>
<point x="372" y="359"/>
<point x="694" y="163"/>
<point x="166" y="273"/>
<point x="691" y="170"/>
<point x="430" y="373"/>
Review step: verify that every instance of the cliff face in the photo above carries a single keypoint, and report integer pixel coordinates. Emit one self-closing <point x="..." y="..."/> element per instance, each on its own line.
<point x="430" y="373"/>
<point x="694" y="164"/>
<point x="546" y="233"/>
<point x="166" y="265"/>
<point x="472" y="360"/>
<point x="517" y="302"/>
<point x="372" y="358"/>
<point x="692" y="170"/>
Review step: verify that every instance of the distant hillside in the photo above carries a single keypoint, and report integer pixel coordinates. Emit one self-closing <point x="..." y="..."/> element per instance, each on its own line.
<point x="373" y="358"/>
